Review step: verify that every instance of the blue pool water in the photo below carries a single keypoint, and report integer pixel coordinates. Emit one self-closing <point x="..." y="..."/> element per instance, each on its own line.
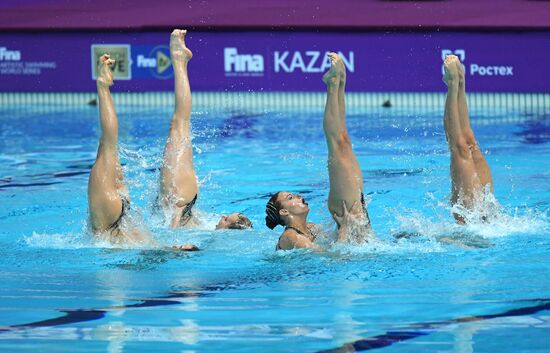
<point x="71" y="294"/>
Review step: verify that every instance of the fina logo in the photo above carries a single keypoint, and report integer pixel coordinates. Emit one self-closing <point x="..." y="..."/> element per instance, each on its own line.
<point x="475" y="69"/>
<point x="157" y="61"/>
<point x="310" y="61"/>
<point x="9" y="55"/>
<point x="236" y="64"/>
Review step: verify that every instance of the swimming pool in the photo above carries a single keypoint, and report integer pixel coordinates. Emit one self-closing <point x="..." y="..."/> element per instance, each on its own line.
<point x="238" y="294"/>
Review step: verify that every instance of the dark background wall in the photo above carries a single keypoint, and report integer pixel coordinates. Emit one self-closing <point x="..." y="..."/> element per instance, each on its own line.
<point x="268" y="45"/>
<point x="277" y="14"/>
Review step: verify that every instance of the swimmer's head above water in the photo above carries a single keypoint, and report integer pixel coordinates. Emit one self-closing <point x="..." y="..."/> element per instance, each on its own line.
<point x="282" y="207"/>
<point x="234" y="221"/>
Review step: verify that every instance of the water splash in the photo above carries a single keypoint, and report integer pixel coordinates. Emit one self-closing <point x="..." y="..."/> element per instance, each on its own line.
<point x="488" y="219"/>
<point x="59" y="241"/>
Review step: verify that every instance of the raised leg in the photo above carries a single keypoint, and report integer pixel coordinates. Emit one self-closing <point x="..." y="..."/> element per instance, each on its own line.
<point x="465" y="181"/>
<point x="341" y="92"/>
<point x="346" y="180"/>
<point x="482" y="168"/>
<point x="106" y="183"/>
<point x="178" y="183"/>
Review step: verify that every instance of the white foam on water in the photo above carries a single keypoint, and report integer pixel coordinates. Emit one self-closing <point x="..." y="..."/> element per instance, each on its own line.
<point x="487" y="220"/>
<point x="162" y="236"/>
<point x="59" y="241"/>
<point x="382" y="246"/>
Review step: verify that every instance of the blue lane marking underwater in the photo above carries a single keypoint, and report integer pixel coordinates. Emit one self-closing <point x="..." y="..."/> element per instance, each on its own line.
<point x="390" y="338"/>
<point x="370" y="343"/>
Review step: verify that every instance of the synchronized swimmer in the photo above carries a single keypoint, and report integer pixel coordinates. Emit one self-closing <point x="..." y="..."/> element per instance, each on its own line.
<point x="109" y="201"/>
<point x="108" y="197"/>
<point x="346" y="200"/>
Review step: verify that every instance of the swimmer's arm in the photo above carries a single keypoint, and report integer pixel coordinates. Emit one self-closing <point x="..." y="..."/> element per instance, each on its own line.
<point x="313" y="228"/>
<point x="151" y="242"/>
<point x="184" y="247"/>
<point x="342" y="233"/>
<point x="343" y="222"/>
<point x="292" y="240"/>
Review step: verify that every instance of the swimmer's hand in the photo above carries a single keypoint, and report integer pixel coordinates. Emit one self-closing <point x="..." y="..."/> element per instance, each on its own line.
<point x="185" y="247"/>
<point x="344" y="221"/>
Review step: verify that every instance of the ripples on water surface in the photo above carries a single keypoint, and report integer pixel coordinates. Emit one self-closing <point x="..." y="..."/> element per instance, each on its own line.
<point x="239" y="295"/>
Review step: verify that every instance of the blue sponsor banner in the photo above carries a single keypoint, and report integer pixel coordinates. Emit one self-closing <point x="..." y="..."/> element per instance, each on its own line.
<point x="278" y="61"/>
<point x="151" y="62"/>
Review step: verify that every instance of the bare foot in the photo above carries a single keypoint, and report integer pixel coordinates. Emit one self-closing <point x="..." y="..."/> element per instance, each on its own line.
<point x="451" y="76"/>
<point x="460" y="69"/>
<point x="104" y="71"/>
<point x="332" y="76"/>
<point x="178" y="50"/>
<point x="341" y="68"/>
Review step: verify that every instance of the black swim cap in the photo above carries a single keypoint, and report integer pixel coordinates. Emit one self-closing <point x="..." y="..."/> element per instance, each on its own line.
<point x="272" y="217"/>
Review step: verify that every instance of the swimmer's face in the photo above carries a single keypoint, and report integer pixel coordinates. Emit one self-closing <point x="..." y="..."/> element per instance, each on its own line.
<point x="294" y="204"/>
<point x="234" y="221"/>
